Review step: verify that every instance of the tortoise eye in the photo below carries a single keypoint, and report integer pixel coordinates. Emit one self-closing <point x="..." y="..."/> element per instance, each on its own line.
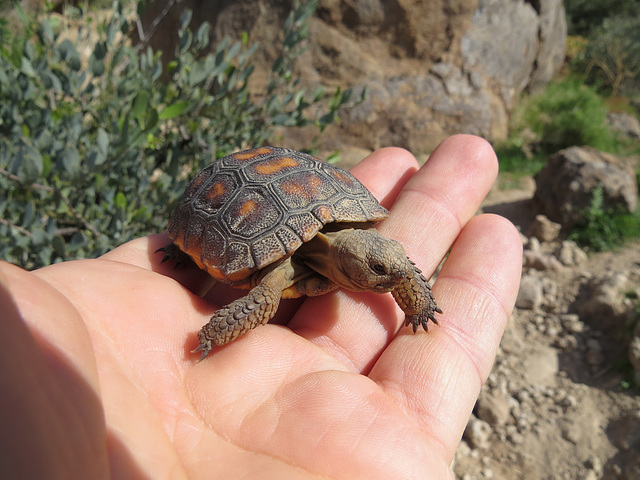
<point x="379" y="269"/>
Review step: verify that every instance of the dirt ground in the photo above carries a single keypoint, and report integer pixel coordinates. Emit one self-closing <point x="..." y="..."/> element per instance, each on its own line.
<point x="559" y="403"/>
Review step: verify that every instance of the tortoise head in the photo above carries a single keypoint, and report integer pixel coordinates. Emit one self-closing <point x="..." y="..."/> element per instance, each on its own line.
<point x="371" y="262"/>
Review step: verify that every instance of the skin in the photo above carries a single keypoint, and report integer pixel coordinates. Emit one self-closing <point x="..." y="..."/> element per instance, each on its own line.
<point x="100" y="382"/>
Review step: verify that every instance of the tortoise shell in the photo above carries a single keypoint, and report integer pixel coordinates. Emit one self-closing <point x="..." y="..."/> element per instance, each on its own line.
<point x="253" y="208"/>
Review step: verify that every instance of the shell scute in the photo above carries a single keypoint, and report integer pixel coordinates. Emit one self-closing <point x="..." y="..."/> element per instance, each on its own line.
<point x="252" y="208"/>
<point x="216" y="193"/>
<point x="251" y="213"/>
<point x="302" y="189"/>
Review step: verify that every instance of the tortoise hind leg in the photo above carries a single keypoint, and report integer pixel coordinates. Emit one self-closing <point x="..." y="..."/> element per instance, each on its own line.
<point x="173" y="252"/>
<point x="254" y="309"/>
<point x="181" y="259"/>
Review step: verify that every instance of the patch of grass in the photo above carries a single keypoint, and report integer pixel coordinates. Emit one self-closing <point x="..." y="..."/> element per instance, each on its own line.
<point x="568" y="113"/>
<point x="515" y="161"/>
<point x="565" y="114"/>
<point x="605" y="229"/>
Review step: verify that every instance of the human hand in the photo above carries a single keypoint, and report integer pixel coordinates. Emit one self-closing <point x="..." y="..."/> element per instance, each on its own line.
<point x="98" y="381"/>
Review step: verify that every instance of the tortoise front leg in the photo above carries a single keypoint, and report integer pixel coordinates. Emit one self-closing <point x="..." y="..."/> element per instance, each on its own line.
<point x="254" y="309"/>
<point x="415" y="298"/>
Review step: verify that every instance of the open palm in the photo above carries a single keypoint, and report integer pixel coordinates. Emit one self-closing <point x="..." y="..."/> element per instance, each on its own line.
<point x="103" y="385"/>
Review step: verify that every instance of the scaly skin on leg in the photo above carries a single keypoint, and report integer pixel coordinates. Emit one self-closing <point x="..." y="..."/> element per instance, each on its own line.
<point x="254" y="309"/>
<point x="415" y="298"/>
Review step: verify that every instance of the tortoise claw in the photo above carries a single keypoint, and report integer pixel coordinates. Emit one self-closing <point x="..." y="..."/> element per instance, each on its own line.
<point x="423" y="318"/>
<point x="204" y="347"/>
<point x="172" y="252"/>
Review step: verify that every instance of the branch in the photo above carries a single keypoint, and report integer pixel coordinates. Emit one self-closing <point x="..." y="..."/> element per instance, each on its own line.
<point x="16" y="227"/>
<point x="154" y="25"/>
<point x="66" y="201"/>
<point x="16" y="179"/>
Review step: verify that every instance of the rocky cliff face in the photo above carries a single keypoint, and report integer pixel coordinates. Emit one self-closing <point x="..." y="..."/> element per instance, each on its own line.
<point x="431" y="68"/>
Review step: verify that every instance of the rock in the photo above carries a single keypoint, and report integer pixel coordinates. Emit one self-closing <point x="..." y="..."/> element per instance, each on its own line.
<point x="565" y="186"/>
<point x="531" y="294"/>
<point x="534" y="244"/>
<point x="571" y="323"/>
<point x="603" y="299"/>
<point x="594" y="464"/>
<point x="477" y="432"/>
<point x="570" y="254"/>
<point x="541" y="367"/>
<point x="431" y="68"/>
<point x="514" y="50"/>
<point x="551" y="35"/>
<point x="544" y="229"/>
<point x="493" y="50"/>
<point x="539" y="261"/>
<point x="493" y="408"/>
<point x="634" y="352"/>
<point x="511" y="342"/>
<point x="625" y="123"/>
<point x="567" y="343"/>
<point x="571" y="432"/>
<point x="591" y="475"/>
<point x="625" y="434"/>
<point x="513" y="435"/>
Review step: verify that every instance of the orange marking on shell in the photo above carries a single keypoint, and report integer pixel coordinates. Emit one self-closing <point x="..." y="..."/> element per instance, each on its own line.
<point x="294" y="189"/>
<point x="216" y="274"/>
<point x="247" y="207"/>
<point x="324" y="213"/>
<point x="309" y="189"/>
<point x="197" y="182"/>
<point x="275" y="165"/>
<point x="216" y="190"/>
<point x="308" y="231"/>
<point x="249" y="154"/>
<point x="342" y="177"/>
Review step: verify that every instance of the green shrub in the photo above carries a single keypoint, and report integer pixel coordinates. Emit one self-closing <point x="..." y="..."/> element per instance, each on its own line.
<point x="604" y="229"/>
<point x="93" y="152"/>
<point x="517" y="158"/>
<point x="584" y="16"/>
<point x="568" y="113"/>
<point x="565" y="114"/>
<point x="611" y="57"/>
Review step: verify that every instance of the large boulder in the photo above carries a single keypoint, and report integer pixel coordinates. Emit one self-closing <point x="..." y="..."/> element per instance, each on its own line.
<point x="431" y="68"/>
<point x="625" y="124"/>
<point x="566" y="185"/>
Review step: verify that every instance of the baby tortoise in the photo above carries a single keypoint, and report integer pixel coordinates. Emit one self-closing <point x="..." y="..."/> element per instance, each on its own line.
<point x="283" y="224"/>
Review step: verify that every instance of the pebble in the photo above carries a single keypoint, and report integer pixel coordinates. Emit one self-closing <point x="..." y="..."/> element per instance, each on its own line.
<point x="544" y="229"/>
<point x="477" y="432"/>
<point x="541" y="367"/>
<point x="571" y="432"/>
<point x="567" y="343"/>
<point x="513" y="435"/>
<point x="530" y="295"/>
<point x="571" y="323"/>
<point x="569" y="254"/>
<point x="593" y="463"/>
<point x="493" y="408"/>
<point x="534" y="244"/>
